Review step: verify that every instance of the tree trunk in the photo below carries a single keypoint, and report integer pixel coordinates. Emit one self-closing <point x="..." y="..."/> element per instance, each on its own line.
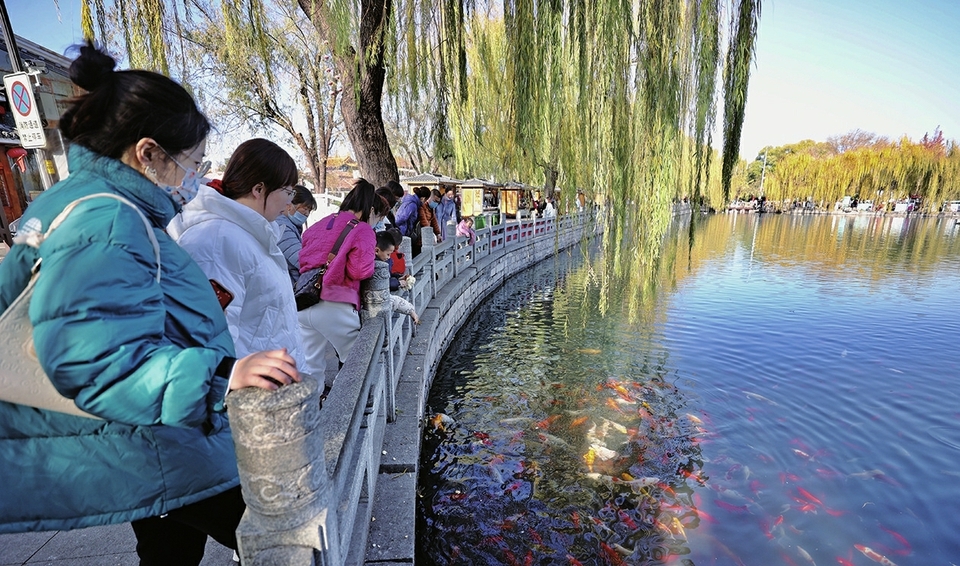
<point x="362" y="76"/>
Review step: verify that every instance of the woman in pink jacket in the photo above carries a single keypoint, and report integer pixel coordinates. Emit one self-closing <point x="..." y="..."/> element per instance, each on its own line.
<point x="336" y="318"/>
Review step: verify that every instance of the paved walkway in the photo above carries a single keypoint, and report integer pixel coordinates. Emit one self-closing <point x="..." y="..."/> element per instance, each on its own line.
<point x="114" y="545"/>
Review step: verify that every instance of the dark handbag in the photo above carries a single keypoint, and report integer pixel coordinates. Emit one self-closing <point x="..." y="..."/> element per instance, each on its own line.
<point x="307" y="289"/>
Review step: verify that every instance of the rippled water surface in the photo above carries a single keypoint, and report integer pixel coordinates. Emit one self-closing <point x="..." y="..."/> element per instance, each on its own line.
<point x="790" y="394"/>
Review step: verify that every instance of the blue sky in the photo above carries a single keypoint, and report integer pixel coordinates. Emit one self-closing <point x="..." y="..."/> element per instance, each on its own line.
<point x="823" y="67"/>
<point x="826" y="67"/>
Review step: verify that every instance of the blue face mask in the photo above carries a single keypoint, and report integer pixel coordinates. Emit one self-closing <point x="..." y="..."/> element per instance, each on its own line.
<point x="380" y="226"/>
<point x="433" y="204"/>
<point x="298" y="218"/>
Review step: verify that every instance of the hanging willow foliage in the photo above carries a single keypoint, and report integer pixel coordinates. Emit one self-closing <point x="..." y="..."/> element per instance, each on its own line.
<point x="614" y="97"/>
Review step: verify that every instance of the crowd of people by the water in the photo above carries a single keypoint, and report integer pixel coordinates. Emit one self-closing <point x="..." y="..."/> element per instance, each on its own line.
<point x="154" y="291"/>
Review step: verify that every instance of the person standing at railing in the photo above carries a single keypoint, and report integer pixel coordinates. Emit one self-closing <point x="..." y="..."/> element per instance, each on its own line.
<point x="548" y="209"/>
<point x="126" y="325"/>
<point x="429" y="201"/>
<point x="336" y="318"/>
<point x="229" y="231"/>
<point x="446" y="212"/>
<point x="408" y="220"/>
<point x="292" y="222"/>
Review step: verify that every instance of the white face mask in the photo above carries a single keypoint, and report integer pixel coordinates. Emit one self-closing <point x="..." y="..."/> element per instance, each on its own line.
<point x="188" y="188"/>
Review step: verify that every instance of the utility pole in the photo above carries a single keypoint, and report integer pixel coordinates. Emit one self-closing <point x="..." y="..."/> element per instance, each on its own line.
<point x="14" y="55"/>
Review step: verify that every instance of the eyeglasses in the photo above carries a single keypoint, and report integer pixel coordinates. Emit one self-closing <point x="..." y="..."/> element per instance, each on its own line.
<point x="288" y="191"/>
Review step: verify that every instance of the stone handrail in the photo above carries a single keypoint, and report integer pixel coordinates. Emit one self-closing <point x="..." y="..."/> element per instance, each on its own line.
<point x="310" y="477"/>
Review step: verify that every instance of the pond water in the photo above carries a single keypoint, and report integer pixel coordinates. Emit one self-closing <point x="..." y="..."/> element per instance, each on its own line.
<point x="789" y="394"/>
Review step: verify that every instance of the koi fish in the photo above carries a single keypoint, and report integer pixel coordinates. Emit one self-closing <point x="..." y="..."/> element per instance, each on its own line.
<point x="440" y="422"/>
<point x="759" y="397"/>
<point x="611" y="555"/>
<point x="844" y="562"/>
<point x="613" y="405"/>
<point x="805" y="555"/>
<point x="552" y="440"/>
<point x="578" y="421"/>
<point x="801" y="453"/>
<point x="626" y="520"/>
<point x="589" y="458"/>
<point x="874" y="555"/>
<point x="573" y="561"/>
<point x="545" y="423"/>
<point x="901" y="539"/>
<point x="590" y="351"/>
<point x="809" y="496"/>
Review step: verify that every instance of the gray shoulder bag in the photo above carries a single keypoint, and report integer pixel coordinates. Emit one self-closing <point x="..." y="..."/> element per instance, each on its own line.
<point x="22" y="380"/>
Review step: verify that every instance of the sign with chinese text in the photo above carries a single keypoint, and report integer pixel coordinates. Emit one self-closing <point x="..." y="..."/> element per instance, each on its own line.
<point x="24" y="107"/>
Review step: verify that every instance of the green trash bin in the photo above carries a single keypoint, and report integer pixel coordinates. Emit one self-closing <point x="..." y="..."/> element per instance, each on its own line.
<point x="479" y="222"/>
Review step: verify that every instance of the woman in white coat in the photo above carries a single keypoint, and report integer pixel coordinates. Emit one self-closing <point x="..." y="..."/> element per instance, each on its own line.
<point x="229" y="231"/>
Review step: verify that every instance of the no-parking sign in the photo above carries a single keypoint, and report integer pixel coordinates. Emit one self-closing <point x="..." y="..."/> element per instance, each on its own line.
<point x="24" y="107"/>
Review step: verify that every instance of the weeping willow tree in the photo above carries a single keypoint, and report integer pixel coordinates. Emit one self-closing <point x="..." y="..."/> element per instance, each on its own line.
<point x="251" y="65"/>
<point x="614" y="97"/>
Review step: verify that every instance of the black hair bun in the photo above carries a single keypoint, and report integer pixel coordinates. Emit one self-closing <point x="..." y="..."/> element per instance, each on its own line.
<point x="92" y="68"/>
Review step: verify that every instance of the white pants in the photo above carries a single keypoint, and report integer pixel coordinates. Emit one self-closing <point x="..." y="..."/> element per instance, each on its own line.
<point x="336" y="323"/>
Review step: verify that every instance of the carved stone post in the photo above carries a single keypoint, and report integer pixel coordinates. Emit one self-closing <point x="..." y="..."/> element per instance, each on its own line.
<point x="376" y="291"/>
<point x="290" y="518"/>
<point x="428" y="238"/>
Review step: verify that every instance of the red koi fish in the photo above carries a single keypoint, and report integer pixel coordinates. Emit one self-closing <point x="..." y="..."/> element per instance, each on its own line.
<point x="573" y="561"/>
<point x="907" y="549"/>
<point x="874" y="555"/>
<point x="809" y="496"/>
<point x="765" y="527"/>
<point x="575" y="517"/>
<point x="844" y="562"/>
<point x="785" y="477"/>
<point x="705" y="516"/>
<point x="626" y="520"/>
<point x="612" y="556"/>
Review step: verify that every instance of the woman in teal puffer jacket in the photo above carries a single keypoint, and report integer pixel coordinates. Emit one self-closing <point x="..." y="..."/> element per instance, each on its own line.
<point x="153" y="360"/>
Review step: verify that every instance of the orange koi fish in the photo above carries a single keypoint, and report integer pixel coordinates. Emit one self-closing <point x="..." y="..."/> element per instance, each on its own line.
<point x="874" y="555"/>
<point x="545" y="423"/>
<point x="613" y="405"/>
<point x="578" y="421"/>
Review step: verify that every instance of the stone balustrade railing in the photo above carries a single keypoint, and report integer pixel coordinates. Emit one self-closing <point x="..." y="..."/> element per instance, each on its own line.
<point x="336" y="485"/>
